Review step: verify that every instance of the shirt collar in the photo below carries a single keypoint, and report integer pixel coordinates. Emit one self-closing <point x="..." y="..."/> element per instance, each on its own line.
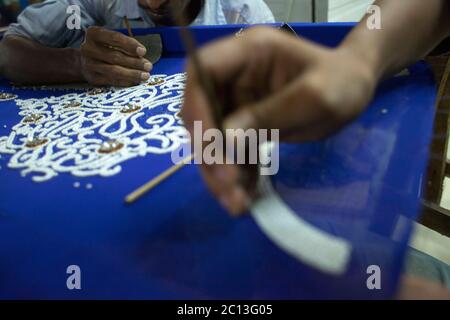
<point x="129" y="9"/>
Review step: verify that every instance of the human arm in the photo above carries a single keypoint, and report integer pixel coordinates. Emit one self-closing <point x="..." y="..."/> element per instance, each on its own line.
<point x="37" y="50"/>
<point x="269" y="80"/>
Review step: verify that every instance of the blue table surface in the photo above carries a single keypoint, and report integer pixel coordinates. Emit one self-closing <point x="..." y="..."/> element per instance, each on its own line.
<point x="362" y="184"/>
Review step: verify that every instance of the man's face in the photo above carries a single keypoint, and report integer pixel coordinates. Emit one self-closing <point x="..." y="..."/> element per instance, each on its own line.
<point x="159" y="10"/>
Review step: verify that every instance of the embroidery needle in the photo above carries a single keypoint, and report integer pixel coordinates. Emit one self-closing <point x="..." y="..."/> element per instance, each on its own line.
<point x="205" y="80"/>
<point x="127" y="23"/>
<point x="135" y="195"/>
<point x="207" y="85"/>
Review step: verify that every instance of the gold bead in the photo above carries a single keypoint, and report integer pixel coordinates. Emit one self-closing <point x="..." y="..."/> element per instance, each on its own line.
<point x="32" y="118"/>
<point x="35" y="142"/>
<point x="131" y="108"/>
<point x="155" y="81"/>
<point x="110" y="146"/>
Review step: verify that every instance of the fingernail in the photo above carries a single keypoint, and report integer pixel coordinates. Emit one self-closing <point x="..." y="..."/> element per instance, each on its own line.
<point x="243" y="120"/>
<point x="141" y="51"/>
<point x="148" y="66"/>
<point x="145" y="76"/>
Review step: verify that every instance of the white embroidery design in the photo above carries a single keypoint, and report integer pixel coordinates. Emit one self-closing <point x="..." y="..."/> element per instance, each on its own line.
<point x="71" y="129"/>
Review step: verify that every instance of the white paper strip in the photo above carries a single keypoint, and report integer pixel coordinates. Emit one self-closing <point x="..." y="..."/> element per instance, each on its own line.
<point x="297" y="237"/>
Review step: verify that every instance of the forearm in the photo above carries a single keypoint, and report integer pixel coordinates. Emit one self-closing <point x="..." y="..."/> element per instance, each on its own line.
<point x="27" y="62"/>
<point x="410" y="30"/>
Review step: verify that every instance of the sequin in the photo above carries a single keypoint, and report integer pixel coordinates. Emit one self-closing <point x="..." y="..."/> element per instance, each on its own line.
<point x="155" y="81"/>
<point x="130" y="108"/>
<point x="110" y="146"/>
<point x="72" y="104"/>
<point x="32" y="118"/>
<point x="97" y="91"/>
<point x="35" y="142"/>
<point x="7" y="96"/>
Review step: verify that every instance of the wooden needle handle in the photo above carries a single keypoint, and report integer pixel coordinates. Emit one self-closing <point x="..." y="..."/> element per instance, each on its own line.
<point x="132" y="197"/>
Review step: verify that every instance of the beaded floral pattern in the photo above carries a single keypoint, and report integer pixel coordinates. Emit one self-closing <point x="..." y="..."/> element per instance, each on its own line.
<point x="94" y="132"/>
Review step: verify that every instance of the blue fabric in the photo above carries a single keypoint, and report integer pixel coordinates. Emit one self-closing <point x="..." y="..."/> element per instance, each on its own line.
<point x="46" y="22"/>
<point x="23" y="3"/>
<point x="363" y="184"/>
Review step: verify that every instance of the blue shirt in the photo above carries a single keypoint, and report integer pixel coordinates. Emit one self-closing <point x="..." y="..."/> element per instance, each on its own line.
<point x="46" y="22"/>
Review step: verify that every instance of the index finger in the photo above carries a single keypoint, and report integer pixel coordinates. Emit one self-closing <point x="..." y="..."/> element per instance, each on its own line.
<point x="127" y="45"/>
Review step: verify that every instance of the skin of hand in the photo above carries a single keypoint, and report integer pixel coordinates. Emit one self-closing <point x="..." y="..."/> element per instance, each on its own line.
<point x="111" y="58"/>
<point x="105" y="58"/>
<point x="305" y="90"/>
<point x="415" y="288"/>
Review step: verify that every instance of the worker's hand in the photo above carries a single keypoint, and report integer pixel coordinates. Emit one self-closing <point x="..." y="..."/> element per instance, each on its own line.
<point x="111" y="58"/>
<point x="414" y="288"/>
<point x="267" y="79"/>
